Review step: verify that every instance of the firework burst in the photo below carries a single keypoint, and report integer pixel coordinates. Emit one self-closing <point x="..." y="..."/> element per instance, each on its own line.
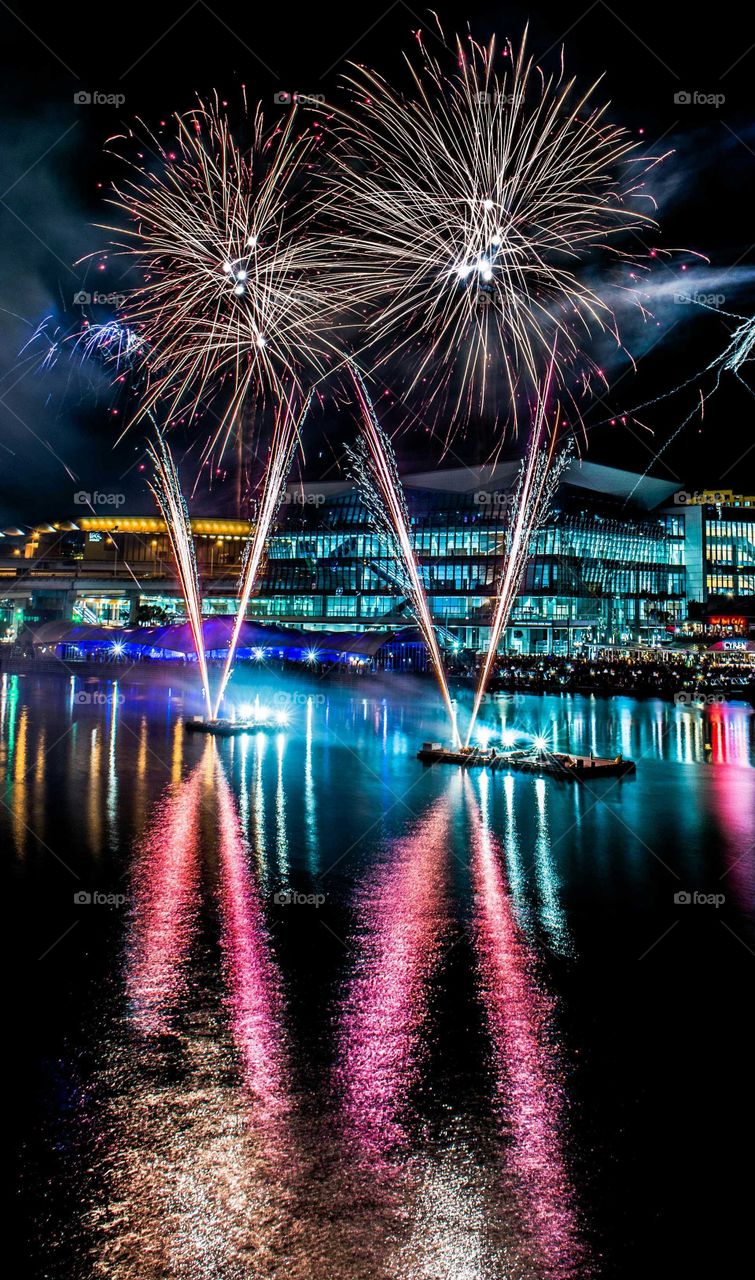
<point x="471" y="213"/>
<point x="231" y="266"/>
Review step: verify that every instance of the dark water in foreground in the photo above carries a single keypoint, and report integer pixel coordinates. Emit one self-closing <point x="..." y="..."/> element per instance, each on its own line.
<point x="356" y="1018"/>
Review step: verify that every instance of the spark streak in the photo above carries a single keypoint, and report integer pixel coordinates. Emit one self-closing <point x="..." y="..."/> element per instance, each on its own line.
<point x="381" y="487"/>
<point x="538" y="481"/>
<point x="286" y="431"/>
<point x="166" y="489"/>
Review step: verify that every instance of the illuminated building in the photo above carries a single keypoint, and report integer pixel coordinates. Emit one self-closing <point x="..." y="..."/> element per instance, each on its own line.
<point x="616" y="561"/>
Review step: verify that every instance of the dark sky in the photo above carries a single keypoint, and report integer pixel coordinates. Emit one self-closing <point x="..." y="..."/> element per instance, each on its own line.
<point x="57" y="429"/>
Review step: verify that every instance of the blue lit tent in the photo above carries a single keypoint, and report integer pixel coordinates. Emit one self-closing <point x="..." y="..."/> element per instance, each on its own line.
<point x="175" y="642"/>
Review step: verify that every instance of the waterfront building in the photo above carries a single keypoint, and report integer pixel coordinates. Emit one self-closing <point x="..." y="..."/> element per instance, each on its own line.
<point x="620" y="559"/>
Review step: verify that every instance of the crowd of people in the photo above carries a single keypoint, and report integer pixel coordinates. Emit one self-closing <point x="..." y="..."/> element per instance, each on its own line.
<point x="679" y="677"/>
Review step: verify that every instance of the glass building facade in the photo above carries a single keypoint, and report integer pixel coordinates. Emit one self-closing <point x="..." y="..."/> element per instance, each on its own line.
<point x="591" y="576"/>
<point x="617" y="561"/>
<point x="720" y="544"/>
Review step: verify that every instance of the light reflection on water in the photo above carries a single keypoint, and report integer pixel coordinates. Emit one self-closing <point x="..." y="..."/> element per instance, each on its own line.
<point x="403" y="921"/>
<point x="274" y="1090"/>
<point x="528" y="1081"/>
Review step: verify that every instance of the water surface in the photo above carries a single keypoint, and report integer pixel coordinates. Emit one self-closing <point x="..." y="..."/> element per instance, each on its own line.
<point x="338" y="1015"/>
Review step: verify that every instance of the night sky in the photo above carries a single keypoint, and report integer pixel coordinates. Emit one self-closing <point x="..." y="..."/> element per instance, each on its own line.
<point x="57" y="427"/>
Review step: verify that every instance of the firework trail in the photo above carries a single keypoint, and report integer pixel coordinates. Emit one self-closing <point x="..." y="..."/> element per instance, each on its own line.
<point x="231" y="264"/>
<point x="538" y="480"/>
<point x="737" y="353"/>
<point x="381" y="489"/>
<point x="166" y="490"/>
<point x="285" y="437"/>
<point x="467" y="212"/>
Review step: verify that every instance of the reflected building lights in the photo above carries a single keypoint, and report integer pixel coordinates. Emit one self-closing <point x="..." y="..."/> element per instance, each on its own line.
<point x="552" y="915"/>
<point x="40" y="806"/>
<point x="258" y="811"/>
<point x="281" y="834"/>
<point x="19" y="791"/>
<point x="403" y="920"/>
<point x="112" y="770"/>
<point x="94" y="794"/>
<point x="177" y="750"/>
<point x="310" y="800"/>
<point x="165" y="895"/>
<point x="517" y="880"/>
<point x="528" y="1071"/>
<point x="253" y="984"/>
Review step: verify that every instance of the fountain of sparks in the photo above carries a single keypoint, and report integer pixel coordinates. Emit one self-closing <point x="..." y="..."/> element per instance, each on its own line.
<point x="538" y="480"/>
<point x="285" y="436"/>
<point x="166" y="489"/>
<point x="375" y="471"/>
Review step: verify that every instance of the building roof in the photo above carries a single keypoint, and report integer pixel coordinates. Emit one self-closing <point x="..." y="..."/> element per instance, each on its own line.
<point x="645" y="491"/>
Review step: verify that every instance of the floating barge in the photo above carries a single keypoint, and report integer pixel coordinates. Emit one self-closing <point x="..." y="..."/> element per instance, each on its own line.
<point x="554" y="764"/>
<point x="232" y="728"/>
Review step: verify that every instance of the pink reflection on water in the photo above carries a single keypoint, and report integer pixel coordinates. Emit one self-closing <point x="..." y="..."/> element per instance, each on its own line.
<point x="254" y="988"/>
<point x="733" y="800"/>
<point x="165" y="888"/>
<point x="403" y="916"/>
<point x="729" y="728"/>
<point x="528" y="1071"/>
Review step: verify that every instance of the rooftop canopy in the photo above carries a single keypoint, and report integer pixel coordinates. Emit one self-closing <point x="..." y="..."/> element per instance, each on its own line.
<point x="255" y="640"/>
